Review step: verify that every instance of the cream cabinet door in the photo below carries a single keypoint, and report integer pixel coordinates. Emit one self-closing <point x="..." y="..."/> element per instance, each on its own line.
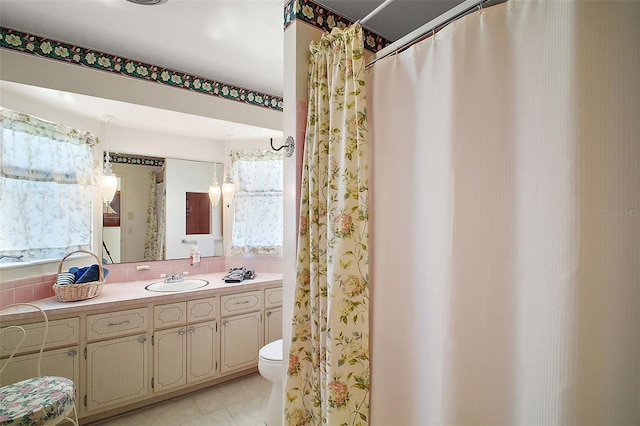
<point x="60" y="362"/>
<point x="202" y="359"/>
<point x="272" y="325"/>
<point x="241" y="340"/>
<point x="169" y="358"/>
<point x="117" y="371"/>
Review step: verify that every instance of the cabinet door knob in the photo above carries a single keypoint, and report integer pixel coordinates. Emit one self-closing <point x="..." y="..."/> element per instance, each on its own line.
<point x="225" y="322"/>
<point x="192" y="329"/>
<point x="181" y="331"/>
<point x="268" y="313"/>
<point x="142" y="339"/>
<point x="72" y="352"/>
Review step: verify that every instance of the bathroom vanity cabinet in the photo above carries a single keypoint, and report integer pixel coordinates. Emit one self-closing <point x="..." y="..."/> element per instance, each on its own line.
<point x="61" y="356"/>
<point x="117" y="356"/>
<point x="242" y="335"/>
<point x="272" y="314"/>
<point x="124" y="355"/>
<point x="186" y="353"/>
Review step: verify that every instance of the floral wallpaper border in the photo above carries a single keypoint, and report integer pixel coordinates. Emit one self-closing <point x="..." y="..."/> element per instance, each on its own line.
<point x="134" y="159"/>
<point x="325" y="19"/>
<point x="61" y="51"/>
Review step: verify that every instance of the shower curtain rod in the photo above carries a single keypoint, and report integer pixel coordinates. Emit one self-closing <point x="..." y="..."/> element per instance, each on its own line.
<point x="430" y="27"/>
<point x="375" y="11"/>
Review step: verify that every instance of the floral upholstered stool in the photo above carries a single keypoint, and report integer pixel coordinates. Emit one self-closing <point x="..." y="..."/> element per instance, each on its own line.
<point x="38" y="401"/>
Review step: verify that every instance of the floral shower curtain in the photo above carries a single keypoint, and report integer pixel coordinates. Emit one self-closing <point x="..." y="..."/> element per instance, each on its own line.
<point x="328" y="373"/>
<point x="154" y="237"/>
<point x="151" y="236"/>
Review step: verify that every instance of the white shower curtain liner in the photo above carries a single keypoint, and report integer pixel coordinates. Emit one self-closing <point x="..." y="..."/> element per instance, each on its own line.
<point x="505" y="220"/>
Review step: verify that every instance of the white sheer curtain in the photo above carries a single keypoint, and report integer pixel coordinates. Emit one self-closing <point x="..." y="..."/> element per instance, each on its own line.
<point x="46" y="172"/>
<point x="506" y="220"/>
<point x="257" y="208"/>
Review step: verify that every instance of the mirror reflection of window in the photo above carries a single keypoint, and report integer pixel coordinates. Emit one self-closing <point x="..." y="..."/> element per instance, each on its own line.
<point x="198" y="213"/>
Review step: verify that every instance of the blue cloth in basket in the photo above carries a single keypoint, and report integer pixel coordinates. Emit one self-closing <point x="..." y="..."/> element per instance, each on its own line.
<point x="88" y="274"/>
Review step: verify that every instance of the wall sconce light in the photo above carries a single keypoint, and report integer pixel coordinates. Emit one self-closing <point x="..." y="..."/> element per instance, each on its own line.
<point x="214" y="189"/>
<point x="228" y="189"/>
<point x="108" y="182"/>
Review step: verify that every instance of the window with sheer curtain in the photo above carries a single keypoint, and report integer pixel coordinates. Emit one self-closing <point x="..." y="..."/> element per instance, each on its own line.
<point x="257" y="209"/>
<point x="46" y="197"/>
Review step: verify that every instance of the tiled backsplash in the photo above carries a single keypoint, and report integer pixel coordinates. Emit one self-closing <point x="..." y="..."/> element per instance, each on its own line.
<point x="36" y="288"/>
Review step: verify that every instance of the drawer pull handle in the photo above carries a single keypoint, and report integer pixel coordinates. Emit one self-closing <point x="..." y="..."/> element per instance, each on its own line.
<point x="125" y="322"/>
<point x="72" y="352"/>
<point x="242" y="303"/>
<point x="181" y="332"/>
<point x="142" y="339"/>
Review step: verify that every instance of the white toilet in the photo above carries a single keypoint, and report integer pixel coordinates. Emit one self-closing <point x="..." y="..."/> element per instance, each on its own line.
<point x="270" y="367"/>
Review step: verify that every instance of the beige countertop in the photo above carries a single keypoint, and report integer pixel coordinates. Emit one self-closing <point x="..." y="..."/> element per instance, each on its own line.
<point x="123" y="294"/>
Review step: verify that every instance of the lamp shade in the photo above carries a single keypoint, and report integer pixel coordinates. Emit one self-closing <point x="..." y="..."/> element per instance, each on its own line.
<point x="108" y="186"/>
<point x="228" y="189"/>
<point x="214" y="192"/>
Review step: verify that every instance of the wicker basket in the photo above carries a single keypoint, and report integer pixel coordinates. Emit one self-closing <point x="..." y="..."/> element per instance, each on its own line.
<point x="75" y="292"/>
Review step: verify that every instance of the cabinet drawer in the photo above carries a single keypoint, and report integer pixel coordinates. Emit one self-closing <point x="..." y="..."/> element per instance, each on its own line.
<point x="169" y="315"/>
<point x="61" y="333"/>
<point x="272" y="297"/>
<point x="113" y="324"/>
<point x="202" y="310"/>
<point x="241" y="302"/>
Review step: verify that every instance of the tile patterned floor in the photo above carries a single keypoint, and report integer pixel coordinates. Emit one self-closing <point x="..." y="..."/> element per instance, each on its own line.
<point x="238" y="403"/>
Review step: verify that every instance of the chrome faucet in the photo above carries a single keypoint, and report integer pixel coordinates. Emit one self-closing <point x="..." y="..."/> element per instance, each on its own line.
<point x="174" y="278"/>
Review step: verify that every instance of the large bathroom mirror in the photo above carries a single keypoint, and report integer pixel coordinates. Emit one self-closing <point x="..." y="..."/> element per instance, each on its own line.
<point x="150" y="121"/>
<point x="150" y="216"/>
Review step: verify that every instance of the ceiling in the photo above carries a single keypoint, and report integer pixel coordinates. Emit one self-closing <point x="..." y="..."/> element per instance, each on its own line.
<point x="239" y="42"/>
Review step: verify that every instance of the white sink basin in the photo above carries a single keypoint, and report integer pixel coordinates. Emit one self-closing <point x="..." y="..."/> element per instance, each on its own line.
<point x="190" y="284"/>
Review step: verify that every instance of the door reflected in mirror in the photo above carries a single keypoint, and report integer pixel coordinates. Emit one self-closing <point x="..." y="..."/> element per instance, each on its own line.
<point x="111" y="215"/>
<point x="198" y="213"/>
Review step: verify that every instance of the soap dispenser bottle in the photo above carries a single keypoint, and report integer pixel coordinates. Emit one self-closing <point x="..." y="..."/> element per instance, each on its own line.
<point x="194" y="255"/>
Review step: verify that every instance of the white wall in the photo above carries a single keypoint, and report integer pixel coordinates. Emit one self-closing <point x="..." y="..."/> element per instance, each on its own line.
<point x="43" y="72"/>
<point x="181" y="177"/>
